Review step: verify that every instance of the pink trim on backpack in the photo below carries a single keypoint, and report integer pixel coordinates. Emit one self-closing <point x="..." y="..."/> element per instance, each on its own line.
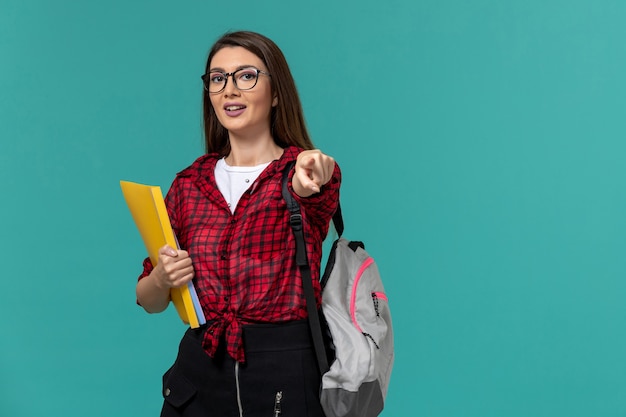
<point x="381" y="295"/>
<point x="357" y="278"/>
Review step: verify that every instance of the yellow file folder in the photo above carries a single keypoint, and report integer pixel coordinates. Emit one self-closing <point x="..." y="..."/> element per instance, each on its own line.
<point x="150" y="215"/>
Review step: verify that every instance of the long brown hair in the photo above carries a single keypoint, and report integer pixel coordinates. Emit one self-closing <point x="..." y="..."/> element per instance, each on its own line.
<point x="287" y="119"/>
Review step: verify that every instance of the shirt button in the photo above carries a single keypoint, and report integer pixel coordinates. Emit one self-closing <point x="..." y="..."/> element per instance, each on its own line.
<point x="233" y="221"/>
<point x="167" y="392"/>
<point x="227" y="299"/>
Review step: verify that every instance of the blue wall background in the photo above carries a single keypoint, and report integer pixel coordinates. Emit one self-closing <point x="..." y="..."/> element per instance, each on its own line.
<point x="482" y="146"/>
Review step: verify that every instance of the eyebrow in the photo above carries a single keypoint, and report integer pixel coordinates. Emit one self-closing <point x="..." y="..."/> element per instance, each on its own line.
<point x="219" y="69"/>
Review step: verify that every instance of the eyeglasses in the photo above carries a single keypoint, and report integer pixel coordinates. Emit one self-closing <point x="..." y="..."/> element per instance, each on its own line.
<point x="243" y="79"/>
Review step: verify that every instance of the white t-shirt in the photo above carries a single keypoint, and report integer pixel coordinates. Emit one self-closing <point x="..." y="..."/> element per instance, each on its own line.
<point x="234" y="181"/>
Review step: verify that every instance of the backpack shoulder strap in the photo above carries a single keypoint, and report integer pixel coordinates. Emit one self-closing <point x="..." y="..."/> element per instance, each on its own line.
<point x="297" y="225"/>
<point x="338" y="220"/>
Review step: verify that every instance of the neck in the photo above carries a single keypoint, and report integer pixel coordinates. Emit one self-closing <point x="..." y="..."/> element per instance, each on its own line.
<point x="252" y="152"/>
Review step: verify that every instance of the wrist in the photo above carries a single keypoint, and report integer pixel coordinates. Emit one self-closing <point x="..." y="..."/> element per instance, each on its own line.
<point x="157" y="282"/>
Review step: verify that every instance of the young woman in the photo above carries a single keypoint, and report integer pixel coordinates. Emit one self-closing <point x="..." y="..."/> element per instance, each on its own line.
<point x="254" y="357"/>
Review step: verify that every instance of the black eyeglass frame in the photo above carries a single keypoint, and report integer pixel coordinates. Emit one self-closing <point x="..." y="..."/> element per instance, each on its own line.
<point x="206" y="79"/>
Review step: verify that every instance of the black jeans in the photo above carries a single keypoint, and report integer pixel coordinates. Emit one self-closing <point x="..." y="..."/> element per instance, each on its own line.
<point x="280" y="377"/>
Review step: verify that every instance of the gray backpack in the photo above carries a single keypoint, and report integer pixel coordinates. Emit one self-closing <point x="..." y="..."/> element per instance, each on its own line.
<point x="353" y="328"/>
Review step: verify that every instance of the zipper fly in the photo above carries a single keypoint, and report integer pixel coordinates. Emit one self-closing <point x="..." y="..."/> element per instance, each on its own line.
<point x="277" y="406"/>
<point x="238" y="390"/>
<point x="277" y="400"/>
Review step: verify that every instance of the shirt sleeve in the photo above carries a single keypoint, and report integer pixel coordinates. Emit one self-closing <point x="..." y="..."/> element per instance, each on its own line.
<point x="320" y="207"/>
<point x="147" y="268"/>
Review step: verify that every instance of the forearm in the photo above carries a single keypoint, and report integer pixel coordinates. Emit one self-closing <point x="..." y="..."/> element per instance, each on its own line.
<point x="152" y="297"/>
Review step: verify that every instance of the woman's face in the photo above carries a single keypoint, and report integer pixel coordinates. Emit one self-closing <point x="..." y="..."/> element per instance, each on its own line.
<point x="244" y="113"/>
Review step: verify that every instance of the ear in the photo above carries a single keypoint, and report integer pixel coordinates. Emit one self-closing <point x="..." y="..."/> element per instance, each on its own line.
<point x="275" y="101"/>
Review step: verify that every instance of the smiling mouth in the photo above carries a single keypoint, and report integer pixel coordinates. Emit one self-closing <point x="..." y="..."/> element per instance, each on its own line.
<point x="234" y="108"/>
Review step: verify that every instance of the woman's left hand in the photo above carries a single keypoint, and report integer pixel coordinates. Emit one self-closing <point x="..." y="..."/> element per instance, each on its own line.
<point x="313" y="169"/>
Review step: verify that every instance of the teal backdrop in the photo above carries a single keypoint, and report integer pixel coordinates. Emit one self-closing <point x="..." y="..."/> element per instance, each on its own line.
<point x="482" y="145"/>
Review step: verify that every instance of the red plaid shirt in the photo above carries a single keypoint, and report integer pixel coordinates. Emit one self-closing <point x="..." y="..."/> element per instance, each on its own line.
<point x="245" y="270"/>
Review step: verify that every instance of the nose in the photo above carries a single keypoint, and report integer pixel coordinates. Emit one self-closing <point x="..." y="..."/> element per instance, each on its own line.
<point x="230" y="88"/>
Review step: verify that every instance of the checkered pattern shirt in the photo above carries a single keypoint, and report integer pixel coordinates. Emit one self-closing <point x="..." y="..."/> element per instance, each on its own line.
<point x="245" y="269"/>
